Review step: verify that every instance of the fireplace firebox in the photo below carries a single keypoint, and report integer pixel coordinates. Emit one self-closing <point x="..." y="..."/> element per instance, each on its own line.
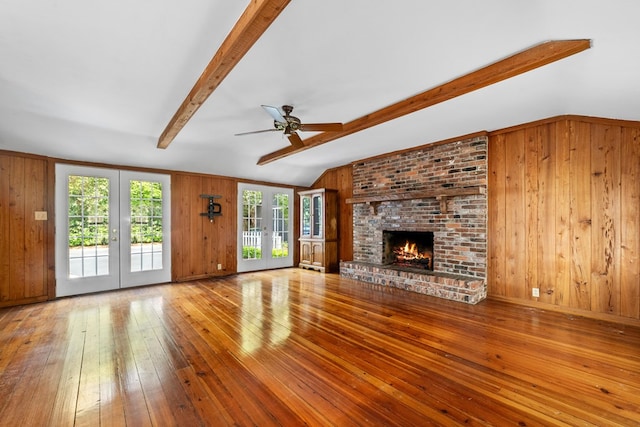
<point x="411" y="249"/>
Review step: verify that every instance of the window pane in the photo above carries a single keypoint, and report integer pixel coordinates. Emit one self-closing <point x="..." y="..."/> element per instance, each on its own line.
<point x="280" y="238"/>
<point x="252" y="225"/>
<point x="88" y="222"/>
<point x="146" y="225"/>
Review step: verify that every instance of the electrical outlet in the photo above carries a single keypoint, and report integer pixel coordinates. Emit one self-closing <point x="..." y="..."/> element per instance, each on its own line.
<point x="535" y="292"/>
<point x="219" y="266"/>
<point x="41" y="215"/>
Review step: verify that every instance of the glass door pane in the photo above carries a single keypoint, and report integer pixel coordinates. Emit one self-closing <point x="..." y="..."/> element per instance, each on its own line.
<point x="252" y="225"/>
<point x="112" y="229"/>
<point x="306" y="216"/>
<point x="265" y="227"/>
<point x="87" y="230"/>
<point x="316" y="230"/>
<point x="146" y="225"/>
<point x="145" y="212"/>
<point x="280" y="217"/>
<point x="88" y="225"/>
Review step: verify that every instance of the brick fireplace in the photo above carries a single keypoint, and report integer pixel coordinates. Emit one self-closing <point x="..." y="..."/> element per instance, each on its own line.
<point x="438" y="189"/>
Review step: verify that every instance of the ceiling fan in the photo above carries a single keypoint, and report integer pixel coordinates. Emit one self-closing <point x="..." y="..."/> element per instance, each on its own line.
<point x="290" y="125"/>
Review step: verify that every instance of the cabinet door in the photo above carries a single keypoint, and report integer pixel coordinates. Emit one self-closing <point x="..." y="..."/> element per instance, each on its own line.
<point x="316" y="216"/>
<point x="305" y="252"/>
<point x="305" y="216"/>
<point x="317" y="253"/>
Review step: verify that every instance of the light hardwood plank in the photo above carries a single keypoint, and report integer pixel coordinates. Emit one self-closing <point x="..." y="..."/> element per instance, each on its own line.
<point x="295" y="347"/>
<point x="496" y="217"/>
<point x="630" y="224"/>
<point x="515" y="235"/>
<point x="562" y="188"/>
<point x="534" y="200"/>
<point x="605" y="219"/>
<point x="580" y="220"/>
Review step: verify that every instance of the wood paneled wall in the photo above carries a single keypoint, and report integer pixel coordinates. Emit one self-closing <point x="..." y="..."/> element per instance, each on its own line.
<point x="27" y="257"/>
<point x="564" y="214"/>
<point x="341" y="179"/>
<point x="198" y="244"/>
<point x="23" y="240"/>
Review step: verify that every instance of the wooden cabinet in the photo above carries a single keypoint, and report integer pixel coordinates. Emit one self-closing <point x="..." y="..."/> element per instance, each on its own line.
<point x="319" y="230"/>
<point x="312" y="253"/>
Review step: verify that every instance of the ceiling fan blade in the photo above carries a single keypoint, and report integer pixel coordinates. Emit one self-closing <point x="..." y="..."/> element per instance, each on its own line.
<point x="275" y="113"/>
<point x="257" y="131"/>
<point x="320" y="127"/>
<point x="295" y="140"/>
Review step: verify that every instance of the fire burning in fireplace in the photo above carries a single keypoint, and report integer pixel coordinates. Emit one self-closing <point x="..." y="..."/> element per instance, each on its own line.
<point x="409" y="255"/>
<point x="408" y="249"/>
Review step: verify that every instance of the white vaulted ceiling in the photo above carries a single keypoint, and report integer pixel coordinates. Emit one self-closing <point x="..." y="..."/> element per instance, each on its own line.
<point x="100" y="81"/>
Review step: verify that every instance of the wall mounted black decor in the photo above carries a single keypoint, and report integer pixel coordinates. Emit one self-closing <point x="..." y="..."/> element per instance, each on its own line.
<point x="213" y="209"/>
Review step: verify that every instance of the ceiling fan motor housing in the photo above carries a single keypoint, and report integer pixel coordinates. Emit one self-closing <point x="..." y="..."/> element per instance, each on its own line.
<point x="292" y="124"/>
<point x="289" y="124"/>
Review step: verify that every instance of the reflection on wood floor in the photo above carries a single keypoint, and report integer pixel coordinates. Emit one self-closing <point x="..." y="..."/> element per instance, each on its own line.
<point x="294" y="347"/>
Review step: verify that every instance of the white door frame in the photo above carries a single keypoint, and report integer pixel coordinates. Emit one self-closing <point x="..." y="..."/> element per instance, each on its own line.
<point x="129" y="278"/>
<point x="266" y="262"/>
<point x="119" y="247"/>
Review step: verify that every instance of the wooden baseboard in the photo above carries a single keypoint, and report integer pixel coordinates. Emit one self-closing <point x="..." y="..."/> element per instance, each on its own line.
<point x="204" y="276"/>
<point x="23" y="301"/>
<point x="569" y="311"/>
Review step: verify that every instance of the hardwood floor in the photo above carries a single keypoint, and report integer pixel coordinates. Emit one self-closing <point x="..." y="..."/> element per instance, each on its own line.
<point x="294" y="347"/>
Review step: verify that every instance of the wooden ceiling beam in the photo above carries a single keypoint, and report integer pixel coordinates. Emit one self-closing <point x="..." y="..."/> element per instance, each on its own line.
<point x="254" y="21"/>
<point x="519" y="63"/>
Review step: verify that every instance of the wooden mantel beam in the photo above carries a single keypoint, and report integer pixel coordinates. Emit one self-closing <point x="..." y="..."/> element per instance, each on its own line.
<point x="254" y="21"/>
<point x="519" y="63"/>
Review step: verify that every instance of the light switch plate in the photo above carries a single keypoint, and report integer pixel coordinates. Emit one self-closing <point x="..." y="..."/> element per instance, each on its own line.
<point x="41" y="215"/>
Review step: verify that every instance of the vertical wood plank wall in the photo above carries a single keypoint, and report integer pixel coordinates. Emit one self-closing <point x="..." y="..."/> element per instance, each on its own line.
<point x="198" y="244"/>
<point x="23" y="240"/>
<point x="341" y="179"/>
<point x="27" y="258"/>
<point x="564" y="214"/>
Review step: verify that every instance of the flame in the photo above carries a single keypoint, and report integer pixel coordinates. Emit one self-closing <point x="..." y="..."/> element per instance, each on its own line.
<point x="411" y="249"/>
<point x="409" y="253"/>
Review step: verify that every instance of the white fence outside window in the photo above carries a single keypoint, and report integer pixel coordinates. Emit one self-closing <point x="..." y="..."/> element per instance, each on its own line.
<point x="254" y="239"/>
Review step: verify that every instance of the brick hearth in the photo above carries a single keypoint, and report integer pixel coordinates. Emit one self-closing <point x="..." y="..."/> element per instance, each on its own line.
<point x="441" y="285"/>
<point x="458" y="222"/>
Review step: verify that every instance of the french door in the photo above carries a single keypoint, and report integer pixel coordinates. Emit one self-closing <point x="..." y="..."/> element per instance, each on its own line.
<point x="265" y="231"/>
<point x="112" y="229"/>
